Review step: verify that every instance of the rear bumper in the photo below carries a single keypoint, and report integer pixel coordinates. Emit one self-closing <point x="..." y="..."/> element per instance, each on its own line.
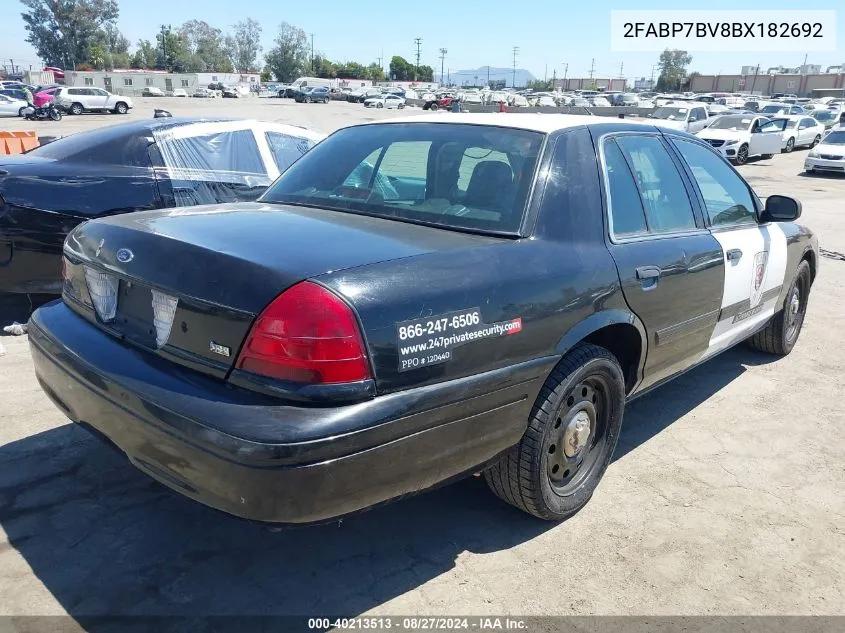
<point x="260" y="459"/>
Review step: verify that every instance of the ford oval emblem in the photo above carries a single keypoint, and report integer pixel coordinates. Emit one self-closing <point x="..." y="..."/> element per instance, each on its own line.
<point x="124" y="255"/>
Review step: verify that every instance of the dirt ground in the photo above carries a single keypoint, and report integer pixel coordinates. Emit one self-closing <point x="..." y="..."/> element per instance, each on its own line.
<point x="726" y="494"/>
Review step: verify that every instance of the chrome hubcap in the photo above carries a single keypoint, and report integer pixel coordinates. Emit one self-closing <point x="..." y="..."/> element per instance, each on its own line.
<point x="577" y="434"/>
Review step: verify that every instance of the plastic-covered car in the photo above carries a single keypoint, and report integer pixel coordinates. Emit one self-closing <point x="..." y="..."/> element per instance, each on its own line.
<point x="148" y="164"/>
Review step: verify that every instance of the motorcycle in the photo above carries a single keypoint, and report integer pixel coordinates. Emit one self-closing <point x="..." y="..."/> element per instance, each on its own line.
<point x="49" y="111"/>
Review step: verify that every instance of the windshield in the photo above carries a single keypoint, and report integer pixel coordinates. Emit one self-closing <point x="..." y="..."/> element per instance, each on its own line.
<point x="823" y="115"/>
<point x="671" y="114"/>
<point x="735" y="123"/>
<point x="835" y="138"/>
<point x="452" y="175"/>
<point x="774" y="108"/>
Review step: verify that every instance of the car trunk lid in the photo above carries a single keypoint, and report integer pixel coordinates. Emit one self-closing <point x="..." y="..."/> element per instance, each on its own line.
<point x="189" y="282"/>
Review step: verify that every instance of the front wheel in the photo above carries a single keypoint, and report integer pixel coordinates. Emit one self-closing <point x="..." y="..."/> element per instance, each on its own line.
<point x="55" y="115"/>
<point x="379" y="105"/>
<point x="401" y="106"/>
<point x="121" y="108"/>
<point x="741" y="155"/>
<point x="781" y="333"/>
<point x="571" y="435"/>
<point x="433" y="107"/>
<point x="816" y="140"/>
<point x="790" y="145"/>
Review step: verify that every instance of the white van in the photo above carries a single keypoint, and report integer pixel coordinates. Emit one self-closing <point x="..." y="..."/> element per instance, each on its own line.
<point x="312" y="82"/>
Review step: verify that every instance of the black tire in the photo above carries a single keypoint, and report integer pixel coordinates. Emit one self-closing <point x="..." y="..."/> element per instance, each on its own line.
<point x="741" y="155"/>
<point x="433" y="107"/>
<point x="21" y="111"/>
<point x="536" y="475"/>
<point x="76" y="108"/>
<point x="401" y="106"/>
<point x="55" y="115"/>
<point x="816" y="140"/>
<point x="790" y="145"/>
<point x="379" y="105"/>
<point x="121" y="108"/>
<point x="782" y="331"/>
<point x="767" y="156"/>
<point x="307" y="99"/>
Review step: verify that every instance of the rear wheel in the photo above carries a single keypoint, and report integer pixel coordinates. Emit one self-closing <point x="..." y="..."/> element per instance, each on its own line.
<point x="55" y="115"/>
<point x="571" y="434"/>
<point x="741" y="155"/>
<point x="22" y="111"/>
<point x="781" y="334"/>
<point x="77" y="108"/>
<point x="433" y="107"/>
<point x="121" y="108"/>
<point x="790" y="145"/>
<point x="379" y="105"/>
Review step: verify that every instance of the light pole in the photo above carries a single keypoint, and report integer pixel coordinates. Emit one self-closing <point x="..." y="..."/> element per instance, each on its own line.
<point x="418" y="42"/>
<point x="513" y="76"/>
<point x="443" y="52"/>
<point x="312" y="53"/>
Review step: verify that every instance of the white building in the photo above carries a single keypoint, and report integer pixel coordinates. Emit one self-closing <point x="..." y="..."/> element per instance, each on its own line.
<point x="131" y="82"/>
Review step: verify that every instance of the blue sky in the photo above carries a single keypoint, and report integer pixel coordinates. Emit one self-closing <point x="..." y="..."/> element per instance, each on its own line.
<point x="476" y="33"/>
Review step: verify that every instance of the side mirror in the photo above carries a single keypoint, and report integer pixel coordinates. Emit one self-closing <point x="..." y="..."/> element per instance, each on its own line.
<point x="781" y="209"/>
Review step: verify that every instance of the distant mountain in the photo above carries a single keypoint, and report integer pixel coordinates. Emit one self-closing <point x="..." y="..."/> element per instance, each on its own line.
<point x="478" y="76"/>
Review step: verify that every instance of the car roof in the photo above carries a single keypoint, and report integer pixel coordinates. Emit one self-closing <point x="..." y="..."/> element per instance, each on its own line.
<point x="537" y="122"/>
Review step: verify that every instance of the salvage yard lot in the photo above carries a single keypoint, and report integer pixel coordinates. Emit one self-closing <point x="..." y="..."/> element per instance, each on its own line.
<point x="725" y="495"/>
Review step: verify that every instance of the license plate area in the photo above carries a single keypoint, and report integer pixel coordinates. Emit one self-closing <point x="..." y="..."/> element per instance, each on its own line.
<point x="134" y="317"/>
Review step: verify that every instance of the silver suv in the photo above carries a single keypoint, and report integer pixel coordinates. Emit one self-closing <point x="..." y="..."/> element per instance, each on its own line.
<point x="79" y="100"/>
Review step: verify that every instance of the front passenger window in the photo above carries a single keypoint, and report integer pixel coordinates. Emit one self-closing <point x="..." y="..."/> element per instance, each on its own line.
<point x="661" y="188"/>
<point x="727" y="198"/>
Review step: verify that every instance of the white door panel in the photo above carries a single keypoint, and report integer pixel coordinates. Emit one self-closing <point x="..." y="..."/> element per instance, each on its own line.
<point x="753" y="282"/>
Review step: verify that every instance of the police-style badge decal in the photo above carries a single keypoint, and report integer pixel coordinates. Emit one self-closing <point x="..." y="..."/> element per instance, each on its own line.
<point x="758" y="277"/>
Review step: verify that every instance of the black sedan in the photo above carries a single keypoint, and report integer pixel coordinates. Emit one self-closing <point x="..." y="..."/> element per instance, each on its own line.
<point x="416" y="300"/>
<point x="149" y="164"/>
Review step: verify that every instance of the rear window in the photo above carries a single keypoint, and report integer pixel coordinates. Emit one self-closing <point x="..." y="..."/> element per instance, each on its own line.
<point x="452" y="175"/>
<point x="101" y="146"/>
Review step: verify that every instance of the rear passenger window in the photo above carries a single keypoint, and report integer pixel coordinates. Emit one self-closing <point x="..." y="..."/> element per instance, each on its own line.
<point x="660" y="186"/>
<point x="626" y="209"/>
<point x="727" y="198"/>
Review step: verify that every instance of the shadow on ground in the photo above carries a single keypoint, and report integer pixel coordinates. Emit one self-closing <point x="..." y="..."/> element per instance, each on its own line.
<point x="106" y="540"/>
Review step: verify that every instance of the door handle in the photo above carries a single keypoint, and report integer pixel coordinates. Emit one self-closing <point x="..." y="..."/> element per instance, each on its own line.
<point x="648" y="276"/>
<point x="645" y="273"/>
<point x="734" y="254"/>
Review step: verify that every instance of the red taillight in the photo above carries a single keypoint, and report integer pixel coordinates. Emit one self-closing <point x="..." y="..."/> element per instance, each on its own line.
<point x="307" y="334"/>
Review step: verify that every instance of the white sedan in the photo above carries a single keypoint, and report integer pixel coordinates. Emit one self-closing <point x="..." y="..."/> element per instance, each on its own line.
<point x="799" y="131"/>
<point x="738" y="137"/>
<point x="385" y="101"/>
<point x="829" y="155"/>
<point x="11" y="107"/>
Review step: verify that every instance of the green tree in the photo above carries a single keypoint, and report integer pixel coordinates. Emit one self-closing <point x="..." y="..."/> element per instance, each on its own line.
<point x="145" y="56"/>
<point x="63" y="32"/>
<point x="375" y="72"/>
<point x="205" y="47"/>
<point x="325" y="68"/>
<point x="290" y="53"/>
<point x="400" y="69"/>
<point x="673" y="69"/>
<point x="426" y="73"/>
<point x="171" y="51"/>
<point x="245" y="45"/>
<point x="538" y="85"/>
<point x="266" y="75"/>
